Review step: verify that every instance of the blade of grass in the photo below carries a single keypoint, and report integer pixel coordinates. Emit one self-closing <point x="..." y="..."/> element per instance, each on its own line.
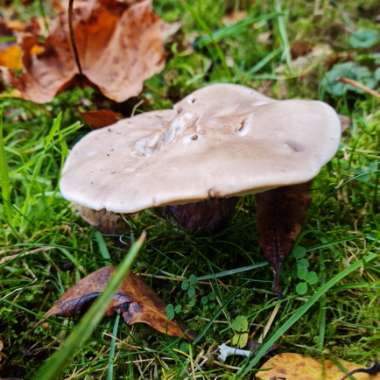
<point x="322" y="305"/>
<point x="113" y="347"/>
<point x="323" y="289"/>
<point x="58" y="361"/>
<point x="4" y="173"/>
<point x="283" y="33"/>
<point x="232" y="30"/>
<point x="259" y="65"/>
<point x="231" y="272"/>
<point x="102" y="247"/>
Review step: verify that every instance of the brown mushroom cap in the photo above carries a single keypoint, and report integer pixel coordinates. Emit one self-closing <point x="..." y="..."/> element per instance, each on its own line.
<point x="220" y="141"/>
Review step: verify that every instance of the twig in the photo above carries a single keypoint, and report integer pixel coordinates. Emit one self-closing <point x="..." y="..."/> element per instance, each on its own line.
<point x="360" y="86"/>
<point x="5" y="259"/>
<point x="72" y="36"/>
<point x="373" y="370"/>
<point x="268" y="325"/>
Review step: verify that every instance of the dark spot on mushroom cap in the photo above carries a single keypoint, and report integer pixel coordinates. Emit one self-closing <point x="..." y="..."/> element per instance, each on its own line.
<point x="294" y="145"/>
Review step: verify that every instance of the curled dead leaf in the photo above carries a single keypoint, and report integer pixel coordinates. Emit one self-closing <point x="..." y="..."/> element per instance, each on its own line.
<point x="135" y="300"/>
<point x="290" y="366"/>
<point x="119" y="44"/>
<point x="280" y="214"/>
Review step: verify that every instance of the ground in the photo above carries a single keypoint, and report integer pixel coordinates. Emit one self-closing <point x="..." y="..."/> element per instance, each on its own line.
<point x="46" y="247"/>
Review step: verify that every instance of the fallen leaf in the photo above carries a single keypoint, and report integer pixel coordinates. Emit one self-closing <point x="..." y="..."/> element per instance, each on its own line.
<point x="306" y="60"/>
<point x="300" y="48"/>
<point x="119" y="44"/>
<point x="10" y="51"/>
<point x="11" y="57"/>
<point x="290" y="366"/>
<point x="100" y="118"/>
<point x="136" y="301"/>
<point x="345" y="122"/>
<point x="1" y="349"/>
<point x="234" y="16"/>
<point x="280" y="214"/>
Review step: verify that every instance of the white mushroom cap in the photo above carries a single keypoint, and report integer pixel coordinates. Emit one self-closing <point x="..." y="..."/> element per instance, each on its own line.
<point x="220" y="141"/>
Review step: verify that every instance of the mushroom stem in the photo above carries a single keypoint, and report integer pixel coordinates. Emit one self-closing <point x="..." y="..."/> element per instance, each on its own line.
<point x="105" y="221"/>
<point x="206" y="216"/>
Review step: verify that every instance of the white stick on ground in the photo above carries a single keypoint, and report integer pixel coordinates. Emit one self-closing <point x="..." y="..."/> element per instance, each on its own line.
<point x="226" y="351"/>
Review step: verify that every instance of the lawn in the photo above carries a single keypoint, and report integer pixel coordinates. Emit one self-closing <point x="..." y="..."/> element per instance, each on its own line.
<point x="45" y="247"/>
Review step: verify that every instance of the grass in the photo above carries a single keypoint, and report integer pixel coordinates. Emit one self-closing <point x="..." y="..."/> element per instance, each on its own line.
<point x="45" y="248"/>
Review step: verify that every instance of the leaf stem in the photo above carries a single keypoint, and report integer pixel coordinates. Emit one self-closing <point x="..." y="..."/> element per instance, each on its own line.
<point x="72" y="36"/>
<point x="360" y="86"/>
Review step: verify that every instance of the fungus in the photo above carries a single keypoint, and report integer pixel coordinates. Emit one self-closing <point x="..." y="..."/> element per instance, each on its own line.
<point x="218" y="143"/>
<point x="193" y="161"/>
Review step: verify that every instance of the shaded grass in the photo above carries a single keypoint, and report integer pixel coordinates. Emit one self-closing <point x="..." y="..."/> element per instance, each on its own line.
<point x="48" y="248"/>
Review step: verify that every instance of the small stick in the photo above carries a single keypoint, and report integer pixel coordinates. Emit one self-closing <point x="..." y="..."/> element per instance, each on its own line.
<point x="268" y="325"/>
<point x="360" y="86"/>
<point x="373" y="370"/>
<point x="72" y="36"/>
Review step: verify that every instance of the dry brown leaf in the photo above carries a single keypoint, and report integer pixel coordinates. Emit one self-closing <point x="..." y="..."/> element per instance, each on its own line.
<point x="136" y="301"/>
<point x="345" y="122"/>
<point x="119" y="46"/>
<point x="234" y="16"/>
<point x="300" y="48"/>
<point x="1" y="351"/>
<point x="290" y="366"/>
<point x="280" y="214"/>
<point x="100" y="118"/>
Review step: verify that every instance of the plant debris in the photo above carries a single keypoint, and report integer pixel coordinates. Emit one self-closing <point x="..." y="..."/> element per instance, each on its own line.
<point x="10" y="51"/>
<point x="136" y="302"/>
<point x="291" y="366"/>
<point x="280" y="214"/>
<point x="119" y="45"/>
<point x="100" y="118"/>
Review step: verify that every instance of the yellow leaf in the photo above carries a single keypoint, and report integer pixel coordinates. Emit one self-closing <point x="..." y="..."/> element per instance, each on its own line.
<point x="289" y="366"/>
<point x="11" y="57"/>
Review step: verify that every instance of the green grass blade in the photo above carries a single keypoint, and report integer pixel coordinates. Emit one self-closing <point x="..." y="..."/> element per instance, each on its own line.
<point x="4" y="173"/>
<point x="231" y="272"/>
<point x="102" y="247"/>
<point x="113" y="348"/>
<point x="300" y="312"/>
<point x="263" y="62"/>
<point x="58" y="361"/>
<point x="283" y="33"/>
<point x="233" y="30"/>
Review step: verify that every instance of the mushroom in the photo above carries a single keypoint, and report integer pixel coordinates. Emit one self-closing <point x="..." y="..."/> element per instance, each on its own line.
<point x="193" y="161"/>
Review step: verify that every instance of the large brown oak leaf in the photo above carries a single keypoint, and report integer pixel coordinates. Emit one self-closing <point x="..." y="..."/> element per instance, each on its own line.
<point x="119" y="44"/>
